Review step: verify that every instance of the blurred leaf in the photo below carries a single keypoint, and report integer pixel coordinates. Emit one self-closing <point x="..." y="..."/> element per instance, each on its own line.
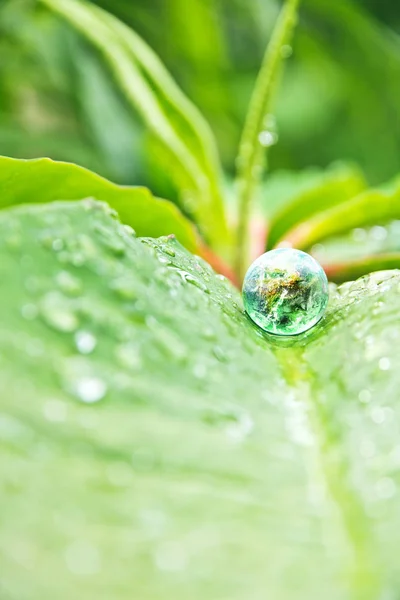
<point x="43" y="180"/>
<point x="258" y="133"/>
<point x="333" y="188"/>
<point x="368" y="208"/>
<point x="155" y="445"/>
<point x="177" y="124"/>
<point x="353" y="269"/>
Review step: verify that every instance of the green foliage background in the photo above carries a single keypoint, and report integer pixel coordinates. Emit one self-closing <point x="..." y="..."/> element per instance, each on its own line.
<point x="339" y="98"/>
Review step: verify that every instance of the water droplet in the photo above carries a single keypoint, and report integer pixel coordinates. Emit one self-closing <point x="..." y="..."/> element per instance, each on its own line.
<point x="286" y="51"/>
<point x="384" y="364"/>
<point x="378" y="415"/>
<point x="200" y="370"/>
<point x="83" y="558"/>
<point x="378" y="233"/>
<point x="185" y="276"/>
<point x="220" y="354"/>
<point x="164" y="260"/>
<point x="58" y="313"/>
<point x="68" y="283"/>
<point x="209" y="333"/>
<point x="267" y="138"/>
<point x="385" y="488"/>
<point x="239" y="430"/>
<point x="129" y="230"/>
<point x="57" y="244"/>
<point x="364" y="396"/>
<point x="109" y="239"/>
<point x="125" y="288"/>
<point x="90" y="389"/>
<point x="168" y="250"/>
<point x="85" y="342"/>
<point x="128" y="356"/>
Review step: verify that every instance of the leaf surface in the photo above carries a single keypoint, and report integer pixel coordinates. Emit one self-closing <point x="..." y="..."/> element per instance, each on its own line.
<point x="45" y="180"/>
<point x="155" y="445"/>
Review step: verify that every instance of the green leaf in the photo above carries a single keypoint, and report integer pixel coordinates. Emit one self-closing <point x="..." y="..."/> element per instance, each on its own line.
<point x="155" y="445"/>
<point x="368" y="208"/>
<point x="44" y="180"/>
<point x="352" y="269"/>
<point x="333" y="187"/>
<point x="252" y="149"/>
<point x="182" y="132"/>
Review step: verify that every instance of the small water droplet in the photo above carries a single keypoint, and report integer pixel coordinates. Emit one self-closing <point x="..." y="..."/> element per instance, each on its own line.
<point x="57" y="244"/>
<point x="168" y="250"/>
<point x="209" y="333"/>
<point x="364" y="396"/>
<point x="90" y="389"/>
<point x="58" y="313"/>
<point x="128" y="356"/>
<point x="385" y="488"/>
<point x="267" y="138"/>
<point x="239" y="430"/>
<point x="200" y="370"/>
<point x="125" y="288"/>
<point x="129" y="230"/>
<point x="85" y="342"/>
<point x="286" y="51"/>
<point x="384" y="363"/>
<point x="68" y="283"/>
<point x="220" y="354"/>
<point x="109" y="239"/>
<point x="187" y="277"/>
<point x="378" y="415"/>
<point x="378" y="233"/>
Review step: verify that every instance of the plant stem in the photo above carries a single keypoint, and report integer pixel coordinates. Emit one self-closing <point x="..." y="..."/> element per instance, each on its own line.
<point x="251" y="155"/>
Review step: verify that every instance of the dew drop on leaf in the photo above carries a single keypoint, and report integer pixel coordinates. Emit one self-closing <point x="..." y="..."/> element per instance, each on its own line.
<point x="68" y="283"/>
<point x="58" y="313"/>
<point x="90" y="389"/>
<point x="85" y="342"/>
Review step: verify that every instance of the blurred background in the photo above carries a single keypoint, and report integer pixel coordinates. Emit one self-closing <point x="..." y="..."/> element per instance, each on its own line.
<point x="339" y="99"/>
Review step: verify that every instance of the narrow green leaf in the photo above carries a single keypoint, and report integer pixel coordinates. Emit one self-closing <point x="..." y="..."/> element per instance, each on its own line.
<point x="368" y="208"/>
<point x="154" y="445"/>
<point x="251" y="149"/>
<point x="334" y="187"/>
<point x="184" y="135"/>
<point x="44" y="180"/>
